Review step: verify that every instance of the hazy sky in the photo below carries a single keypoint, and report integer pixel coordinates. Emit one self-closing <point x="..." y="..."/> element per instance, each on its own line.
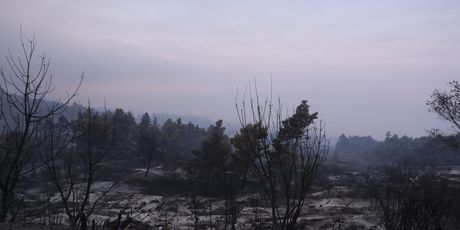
<point x="367" y="67"/>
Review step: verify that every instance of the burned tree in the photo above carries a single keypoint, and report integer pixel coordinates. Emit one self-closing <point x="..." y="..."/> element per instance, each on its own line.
<point x="72" y="163"/>
<point x="24" y="90"/>
<point x="407" y="200"/>
<point x="284" y="155"/>
<point x="147" y="144"/>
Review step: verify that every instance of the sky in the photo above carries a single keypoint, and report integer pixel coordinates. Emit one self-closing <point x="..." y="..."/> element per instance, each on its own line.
<point x="367" y="67"/>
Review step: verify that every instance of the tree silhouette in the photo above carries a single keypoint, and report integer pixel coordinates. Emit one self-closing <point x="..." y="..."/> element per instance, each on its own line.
<point x="447" y="105"/>
<point x="288" y="153"/>
<point x="24" y="92"/>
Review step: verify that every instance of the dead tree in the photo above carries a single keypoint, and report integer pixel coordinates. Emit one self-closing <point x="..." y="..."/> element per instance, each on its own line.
<point x="194" y="204"/>
<point x="284" y="154"/>
<point x="72" y="165"/>
<point x="24" y="91"/>
<point x="232" y="208"/>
